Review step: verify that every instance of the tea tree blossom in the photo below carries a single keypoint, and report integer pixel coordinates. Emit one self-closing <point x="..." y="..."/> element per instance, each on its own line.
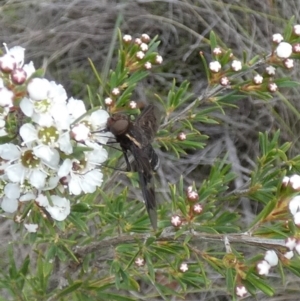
<point x="44" y="158"/>
<point x="284" y="50"/>
<point x="263" y="267"/>
<point x="271" y="257"/>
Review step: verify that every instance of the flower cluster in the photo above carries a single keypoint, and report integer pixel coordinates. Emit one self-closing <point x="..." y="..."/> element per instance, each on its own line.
<point x="224" y="65"/>
<point x="270" y="260"/>
<point x="50" y="150"/>
<point x="293" y="182"/>
<point x="194" y="208"/>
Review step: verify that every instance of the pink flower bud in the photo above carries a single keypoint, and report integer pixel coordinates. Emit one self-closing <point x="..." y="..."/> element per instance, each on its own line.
<point x="296" y="48"/>
<point x="145" y="38"/>
<point x="18" y="76"/>
<point x="197" y="208"/>
<point x="176" y="221"/>
<point x="139" y="261"/>
<point x="224" y="81"/>
<point x="181" y="136"/>
<point x="193" y="196"/>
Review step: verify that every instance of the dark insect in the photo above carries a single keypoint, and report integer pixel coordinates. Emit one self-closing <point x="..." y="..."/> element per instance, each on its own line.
<point x="136" y="137"/>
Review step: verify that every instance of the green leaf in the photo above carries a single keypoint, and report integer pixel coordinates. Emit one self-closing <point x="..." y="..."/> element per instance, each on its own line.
<point x="71" y="288"/>
<point x="260" y="284"/>
<point x="213" y="41"/>
<point x="80" y="207"/>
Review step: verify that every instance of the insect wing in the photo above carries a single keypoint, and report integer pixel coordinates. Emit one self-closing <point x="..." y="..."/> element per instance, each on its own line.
<point x="144" y="169"/>
<point x="148" y="122"/>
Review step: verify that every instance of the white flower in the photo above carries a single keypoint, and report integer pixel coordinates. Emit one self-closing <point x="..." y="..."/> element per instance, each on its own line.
<point x="144" y="47"/>
<point x="241" y="291"/>
<point x="139" y="261"/>
<point x="138" y="41"/>
<point x="294" y="204"/>
<point x="148" y="65"/>
<point x="115" y="91"/>
<point x="297" y="218"/>
<point x="217" y="51"/>
<point x="127" y="38"/>
<point x="42" y="200"/>
<point x="108" y="101"/>
<point x="18" y="53"/>
<point x="258" y="79"/>
<point x="289" y="63"/>
<point x="76" y="108"/>
<point x="7" y="63"/>
<point x="272" y="87"/>
<point x="81" y="179"/>
<point x="98" y="119"/>
<point x="6" y="97"/>
<point x="80" y="132"/>
<point x="270" y="70"/>
<point x="284" y="50"/>
<point x="31" y="228"/>
<point x="215" y="66"/>
<point x="24" y="165"/>
<point x="297" y="29"/>
<point x="236" y="65"/>
<point x="29" y="69"/>
<point x="10" y="203"/>
<point x="60" y="209"/>
<point x="297" y="248"/>
<point x="158" y="59"/>
<point x="294" y="182"/>
<point x="12" y="195"/>
<point x="263" y="267"/>
<point x="46" y="139"/>
<point x="271" y="257"/>
<point x="38" y="88"/>
<point x="224" y="81"/>
<point x="97" y="156"/>
<point x="285" y="181"/>
<point x="47" y="104"/>
<point x="289" y="254"/>
<point x="184" y="267"/>
<point x="277" y="38"/>
<point x="133" y="104"/>
<point x="290" y="243"/>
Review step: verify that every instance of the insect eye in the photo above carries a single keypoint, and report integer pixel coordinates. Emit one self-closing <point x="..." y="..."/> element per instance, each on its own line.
<point x="120" y="126"/>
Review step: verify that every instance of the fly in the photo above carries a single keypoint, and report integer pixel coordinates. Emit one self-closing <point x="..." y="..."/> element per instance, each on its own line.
<point x="136" y="137"/>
